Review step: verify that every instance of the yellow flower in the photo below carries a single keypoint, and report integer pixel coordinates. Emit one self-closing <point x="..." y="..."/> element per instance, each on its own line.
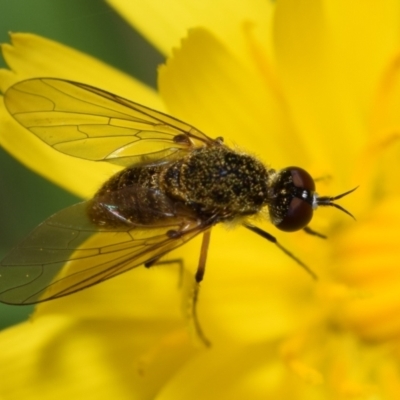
<point x="315" y="85"/>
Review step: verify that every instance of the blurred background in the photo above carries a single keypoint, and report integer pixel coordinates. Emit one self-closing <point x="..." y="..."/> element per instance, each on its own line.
<point x="90" y="26"/>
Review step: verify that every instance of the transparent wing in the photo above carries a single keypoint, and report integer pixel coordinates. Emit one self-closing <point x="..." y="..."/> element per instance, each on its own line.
<point x="68" y="253"/>
<point x="90" y="123"/>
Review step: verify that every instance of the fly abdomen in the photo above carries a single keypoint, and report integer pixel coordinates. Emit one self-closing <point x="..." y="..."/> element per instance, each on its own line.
<point x="131" y="197"/>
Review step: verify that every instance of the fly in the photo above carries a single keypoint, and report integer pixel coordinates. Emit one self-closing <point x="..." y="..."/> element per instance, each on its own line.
<point x="175" y="183"/>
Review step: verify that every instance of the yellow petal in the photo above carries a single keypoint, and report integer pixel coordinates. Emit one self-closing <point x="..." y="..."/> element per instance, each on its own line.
<point x="385" y="117"/>
<point x="88" y="342"/>
<point x="380" y="159"/>
<point x="165" y="23"/>
<point x="318" y="69"/>
<point x="369" y="260"/>
<point x="230" y="372"/>
<point x="59" y="356"/>
<point x="361" y="42"/>
<point x="205" y="84"/>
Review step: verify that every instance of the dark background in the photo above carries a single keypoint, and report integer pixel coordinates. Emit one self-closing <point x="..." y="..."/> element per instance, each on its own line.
<point x="90" y="26"/>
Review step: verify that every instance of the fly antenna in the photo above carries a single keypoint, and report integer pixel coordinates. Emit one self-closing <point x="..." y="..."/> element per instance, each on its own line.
<point x="329" y="201"/>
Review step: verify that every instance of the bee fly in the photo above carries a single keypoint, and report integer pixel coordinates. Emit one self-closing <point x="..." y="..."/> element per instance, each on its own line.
<point x="176" y="183"/>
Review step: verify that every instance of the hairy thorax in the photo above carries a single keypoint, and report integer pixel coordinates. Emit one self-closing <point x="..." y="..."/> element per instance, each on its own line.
<point x="219" y="180"/>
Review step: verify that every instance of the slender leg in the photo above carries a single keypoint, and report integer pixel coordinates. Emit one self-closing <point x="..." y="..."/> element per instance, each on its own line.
<point x="196" y="288"/>
<point x="198" y="278"/>
<point x="178" y="261"/>
<point x="197" y="326"/>
<point x="154" y="261"/>
<point x="272" y="239"/>
<point x="203" y="256"/>
<point x="310" y="231"/>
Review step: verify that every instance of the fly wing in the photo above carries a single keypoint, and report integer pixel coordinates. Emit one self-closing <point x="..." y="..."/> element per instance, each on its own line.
<point x="68" y="253"/>
<point x="90" y="123"/>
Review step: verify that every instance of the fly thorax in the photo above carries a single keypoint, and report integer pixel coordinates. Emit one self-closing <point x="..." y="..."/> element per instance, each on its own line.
<point x="218" y="179"/>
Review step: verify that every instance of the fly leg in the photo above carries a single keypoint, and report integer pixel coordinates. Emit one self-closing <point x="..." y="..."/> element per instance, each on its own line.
<point x="273" y="240"/>
<point x="198" y="278"/>
<point x="157" y="261"/>
<point x="314" y="233"/>
<point x="201" y="268"/>
<point x="195" y="285"/>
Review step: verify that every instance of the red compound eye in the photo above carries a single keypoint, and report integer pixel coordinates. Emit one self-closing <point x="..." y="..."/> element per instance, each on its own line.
<point x="298" y="188"/>
<point x="302" y="179"/>
<point x="298" y="216"/>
